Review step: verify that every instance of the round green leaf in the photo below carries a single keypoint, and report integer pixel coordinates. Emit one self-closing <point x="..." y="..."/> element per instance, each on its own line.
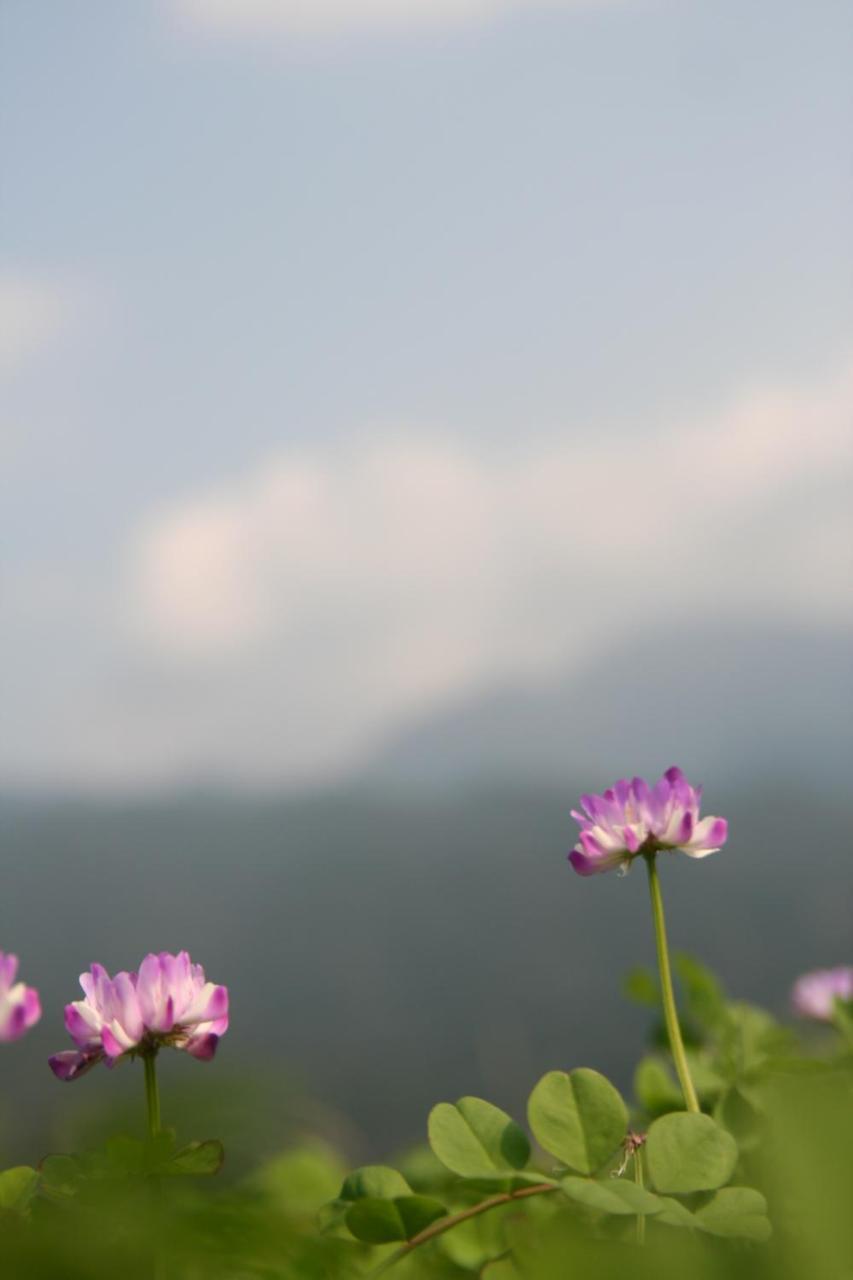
<point x="674" y="1214"/>
<point x="376" y="1181"/>
<point x="687" y="1152"/>
<point x="736" y="1211"/>
<point x="378" y="1221"/>
<point x="419" y="1212"/>
<point x="476" y="1140"/>
<point x="656" y="1088"/>
<point x="579" y="1117"/>
<point x="612" y="1195"/>
<point x="375" y="1221"/>
<point x="17" y="1188"/>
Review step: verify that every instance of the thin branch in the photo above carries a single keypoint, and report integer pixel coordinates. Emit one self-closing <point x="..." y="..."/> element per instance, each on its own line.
<point x="445" y="1224"/>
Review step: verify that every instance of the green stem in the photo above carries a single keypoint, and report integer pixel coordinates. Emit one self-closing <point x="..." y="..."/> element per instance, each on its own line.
<point x="152" y="1101"/>
<point x="638" y="1178"/>
<point x="445" y="1224"/>
<point x="152" y="1093"/>
<point x="676" y="1043"/>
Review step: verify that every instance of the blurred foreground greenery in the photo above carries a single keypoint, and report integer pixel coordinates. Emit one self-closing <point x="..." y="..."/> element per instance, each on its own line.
<point x="167" y="1209"/>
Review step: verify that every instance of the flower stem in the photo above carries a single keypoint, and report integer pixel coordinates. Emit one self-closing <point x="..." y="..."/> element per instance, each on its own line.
<point x="152" y="1093"/>
<point x="152" y="1101"/>
<point x="638" y="1178"/>
<point x="673" y="1030"/>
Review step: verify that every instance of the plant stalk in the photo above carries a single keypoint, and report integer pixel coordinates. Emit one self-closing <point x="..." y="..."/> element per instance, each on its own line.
<point x="673" y="1029"/>
<point x="152" y="1093"/>
<point x="638" y="1178"/>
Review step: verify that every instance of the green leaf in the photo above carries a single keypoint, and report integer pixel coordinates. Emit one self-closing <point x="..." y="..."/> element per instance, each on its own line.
<point x="61" y="1176"/>
<point x="656" y="1088"/>
<point x="473" y="1243"/>
<point x="500" y="1269"/>
<point x="708" y="1082"/>
<point x="736" y="1211"/>
<point x="419" y="1212"/>
<point x="736" y="1113"/>
<point x="750" y="1038"/>
<point x="687" y="1152"/>
<point x="378" y="1221"/>
<point x="17" y="1188"/>
<point x="674" y="1214"/>
<point x="374" y="1181"/>
<point x="579" y="1117"/>
<point x="197" y="1158"/>
<point x="611" y="1195"/>
<point x="123" y="1156"/>
<point x="375" y="1221"/>
<point x="476" y="1140"/>
<point x="705" y="1000"/>
<point x="302" y="1180"/>
<point x="642" y="987"/>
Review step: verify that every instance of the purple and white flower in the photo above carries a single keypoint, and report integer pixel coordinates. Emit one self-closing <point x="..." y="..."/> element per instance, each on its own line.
<point x="633" y="818"/>
<point x="20" y="1007"/>
<point x="169" y="1002"/>
<point x="814" y="994"/>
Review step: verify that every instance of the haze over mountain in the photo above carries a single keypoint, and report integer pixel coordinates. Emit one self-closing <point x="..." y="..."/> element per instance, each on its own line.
<point x="727" y="701"/>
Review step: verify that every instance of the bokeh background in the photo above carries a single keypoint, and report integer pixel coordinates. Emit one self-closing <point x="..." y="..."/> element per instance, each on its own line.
<point x="416" y="412"/>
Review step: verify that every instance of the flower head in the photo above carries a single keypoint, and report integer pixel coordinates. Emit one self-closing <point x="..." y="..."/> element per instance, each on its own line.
<point x="168" y="1002"/>
<point x="631" y="818"/>
<point x="814" y="994"/>
<point x="20" y="1007"/>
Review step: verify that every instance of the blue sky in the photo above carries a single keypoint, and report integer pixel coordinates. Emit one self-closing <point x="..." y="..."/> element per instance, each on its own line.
<point x="351" y="364"/>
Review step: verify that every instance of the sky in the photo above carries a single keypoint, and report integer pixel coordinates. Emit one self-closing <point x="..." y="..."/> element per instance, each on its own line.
<point x="357" y="354"/>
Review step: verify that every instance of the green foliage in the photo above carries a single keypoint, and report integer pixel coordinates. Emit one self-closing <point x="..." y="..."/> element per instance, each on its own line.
<point x="687" y="1152"/>
<point x="641" y="986"/>
<point x="736" y="1211"/>
<point x="17" y="1188"/>
<point x="477" y="1140"/>
<point x="611" y="1195"/>
<point x="477" y="1242"/>
<point x="122" y="1157"/>
<point x="704" y="999"/>
<point x="199" y="1158"/>
<point x="300" y="1181"/>
<point x="656" y="1088"/>
<point x="579" y="1117"/>
<point x="574" y="1225"/>
<point x="374" y="1180"/>
<point x="379" y="1221"/>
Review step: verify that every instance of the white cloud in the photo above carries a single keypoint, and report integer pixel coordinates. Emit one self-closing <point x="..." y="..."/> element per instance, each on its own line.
<point x="320" y="17"/>
<point x="33" y="312"/>
<point x="347" y="588"/>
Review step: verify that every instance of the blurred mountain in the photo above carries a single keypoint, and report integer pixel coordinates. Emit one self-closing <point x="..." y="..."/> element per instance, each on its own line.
<point x="725" y="701"/>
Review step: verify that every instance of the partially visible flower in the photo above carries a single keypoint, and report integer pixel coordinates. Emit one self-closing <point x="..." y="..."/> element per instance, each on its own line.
<point x="168" y="1002"/>
<point x="814" y="994"/>
<point x="633" y="818"/>
<point x="20" y="1007"/>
